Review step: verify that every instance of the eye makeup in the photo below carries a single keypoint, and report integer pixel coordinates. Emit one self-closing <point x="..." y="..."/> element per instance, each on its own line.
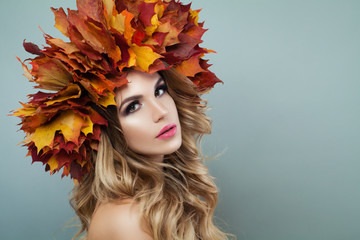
<point x="132" y="107"/>
<point x="160" y="88"/>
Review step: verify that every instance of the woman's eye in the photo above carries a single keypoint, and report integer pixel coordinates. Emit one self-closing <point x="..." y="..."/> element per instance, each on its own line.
<point x="132" y="107"/>
<point x="160" y="90"/>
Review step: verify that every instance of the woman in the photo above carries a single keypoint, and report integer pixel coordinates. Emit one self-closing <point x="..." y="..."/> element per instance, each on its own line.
<point x="125" y="118"/>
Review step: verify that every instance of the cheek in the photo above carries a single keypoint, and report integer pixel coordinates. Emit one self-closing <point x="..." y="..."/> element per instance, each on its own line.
<point x="171" y="106"/>
<point x="131" y="129"/>
<point x="135" y="131"/>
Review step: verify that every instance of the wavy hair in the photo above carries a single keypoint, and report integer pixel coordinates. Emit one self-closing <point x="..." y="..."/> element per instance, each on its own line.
<point x="177" y="197"/>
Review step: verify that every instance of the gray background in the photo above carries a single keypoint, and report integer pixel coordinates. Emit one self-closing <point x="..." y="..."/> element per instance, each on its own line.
<point x="286" y="121"/>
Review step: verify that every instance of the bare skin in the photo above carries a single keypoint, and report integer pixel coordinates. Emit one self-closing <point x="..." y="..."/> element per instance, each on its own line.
<point x="144" y="109"/>
<point x="117" y="221"/>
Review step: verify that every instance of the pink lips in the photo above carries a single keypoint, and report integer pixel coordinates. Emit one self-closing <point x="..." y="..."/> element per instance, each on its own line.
<point x="167" y="131"/>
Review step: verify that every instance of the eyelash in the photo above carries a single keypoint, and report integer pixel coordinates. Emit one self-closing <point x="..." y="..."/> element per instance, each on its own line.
<point x="130" y="109"/>
<point x="161" y="87"/>
<point x="134" y="106"/>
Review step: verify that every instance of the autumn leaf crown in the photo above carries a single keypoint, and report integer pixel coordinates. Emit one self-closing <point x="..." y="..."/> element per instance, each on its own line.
<point x="106" y="37"/>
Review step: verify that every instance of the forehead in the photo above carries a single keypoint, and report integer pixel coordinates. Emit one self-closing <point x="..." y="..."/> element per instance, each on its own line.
<point x="139" y="83"/>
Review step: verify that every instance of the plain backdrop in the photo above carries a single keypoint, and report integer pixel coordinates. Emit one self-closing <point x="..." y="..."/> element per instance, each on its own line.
<point x="285" y="121"/>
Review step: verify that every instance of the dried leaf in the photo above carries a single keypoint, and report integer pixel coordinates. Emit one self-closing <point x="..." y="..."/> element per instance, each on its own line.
<point x="107" y="100"/>
<point x="92" y="9"/>
<point x="50" y="74"/>
<point x="68" y="123"/>
<point x="32" y="48"/>
<point x="190" y="67"/>
<point x="61" y="22"/>
<point x="71" y="91"/>
<point x="145" y="56"/>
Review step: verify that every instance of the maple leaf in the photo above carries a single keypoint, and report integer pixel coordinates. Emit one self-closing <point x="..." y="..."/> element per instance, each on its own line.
<point x="194" y="16"/>
<point x="26" y="110"/>
<point x="147" y="12"/>
<point x="71" y="91"/>
<point x="50" y="74"/>
<point x="106" y="36"/>
<point x="91" y="8"/>
<point x="190" y="67"/>
<point x="122" y="23"/>
<point x="205" y="80"/>
<point x="107" y="100"/>
<point x="172" y="34"/>
<point x="32" y="48"/>
<point x="145" y="56"/>
<point x="66" y="48"/>
<point x="68" y="123"/>
<point x="110" y="10"/>
<point x="61" y="22"/>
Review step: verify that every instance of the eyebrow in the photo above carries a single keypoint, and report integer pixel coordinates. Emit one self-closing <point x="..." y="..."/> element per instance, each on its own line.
<point x="136" y="97"/>
<point x="158" y="82"/>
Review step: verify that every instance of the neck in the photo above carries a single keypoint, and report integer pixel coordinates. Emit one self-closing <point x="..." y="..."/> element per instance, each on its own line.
<point x="157" y="158"/>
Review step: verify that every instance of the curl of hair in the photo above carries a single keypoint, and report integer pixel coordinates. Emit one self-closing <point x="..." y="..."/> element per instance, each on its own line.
<point x="177" y="197"/>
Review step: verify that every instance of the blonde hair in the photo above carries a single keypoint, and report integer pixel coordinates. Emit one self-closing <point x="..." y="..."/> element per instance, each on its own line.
<point x="177" y="197"/>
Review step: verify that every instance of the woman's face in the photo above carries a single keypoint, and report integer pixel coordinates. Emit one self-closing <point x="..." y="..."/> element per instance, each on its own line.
<point x="148" y="115"/>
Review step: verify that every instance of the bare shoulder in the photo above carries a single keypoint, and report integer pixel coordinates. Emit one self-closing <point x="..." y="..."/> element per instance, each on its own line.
<point x="117" y="221"/>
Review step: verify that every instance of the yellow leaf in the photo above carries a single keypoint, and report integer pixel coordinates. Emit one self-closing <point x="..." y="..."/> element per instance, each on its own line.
<point x="89" y="128"/>
<point x="122" y="23"/>
<point x="145" y="56"/>
<point x="195" y="15"/>
<point x="68" y="123"/>
<point x="71" y="91"/>
<point x="71" y="125"/>
<point x="159" y="10"/>
<point x="53" y="164"/>
<point x="25" y="111"/>
<point x="118" y="22"/>
<point x="154" y="25"/>
<point x="109" y="7"/>
<point x="107" y="99"/>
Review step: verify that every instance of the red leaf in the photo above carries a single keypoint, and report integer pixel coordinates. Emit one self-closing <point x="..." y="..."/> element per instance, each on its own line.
<point x="32" y="48"/>
<point x="138" y="37"/>
<point x="92" y="8"/>
<point x="61" y="22"/>
<point x="146" y="13"/>
<point x="159" y="37"/>
<point x="76" y="171"/>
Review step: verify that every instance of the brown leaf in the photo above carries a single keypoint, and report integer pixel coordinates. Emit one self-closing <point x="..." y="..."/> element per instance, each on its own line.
<point x="92" y="8"/>
<point x="190" y="67"/>
<point x="50" y="74"/>
<point x="61" y="22"/>
<point x="32" y="48"/>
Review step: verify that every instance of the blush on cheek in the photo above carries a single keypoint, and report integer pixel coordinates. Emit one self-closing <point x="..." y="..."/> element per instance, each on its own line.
<point x="135" y="136"/>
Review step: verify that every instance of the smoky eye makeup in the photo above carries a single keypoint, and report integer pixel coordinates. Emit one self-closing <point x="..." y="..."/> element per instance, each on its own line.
<point x="131" y="107"/>
<point x="159" y="82"/>
<point x="132" y="104"/>
<point x="160" y="88"/>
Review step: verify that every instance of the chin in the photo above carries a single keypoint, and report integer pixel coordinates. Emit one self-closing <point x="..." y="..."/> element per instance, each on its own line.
<point x="175" y="146"/>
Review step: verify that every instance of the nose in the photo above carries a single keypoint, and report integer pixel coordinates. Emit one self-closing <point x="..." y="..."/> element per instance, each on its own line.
<point x="159" y="111"/>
